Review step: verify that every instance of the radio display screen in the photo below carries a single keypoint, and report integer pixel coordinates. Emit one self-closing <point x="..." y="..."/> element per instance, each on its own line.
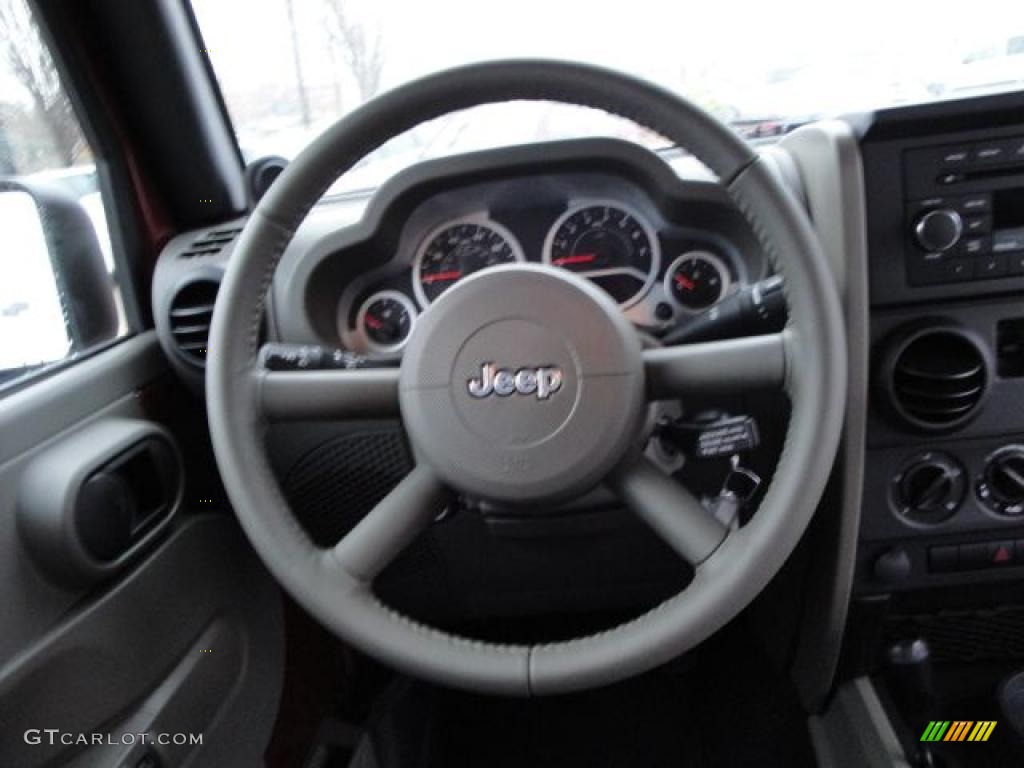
<point x="1008" y="208"/>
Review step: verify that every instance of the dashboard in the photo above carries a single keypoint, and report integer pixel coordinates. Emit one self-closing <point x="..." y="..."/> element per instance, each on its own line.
<point x="943" y="485"/>
<point x="657" y="233"/>
<point x="664" y="248"/>
<point x="921" y="211"/>
<point x="658" y="272"/>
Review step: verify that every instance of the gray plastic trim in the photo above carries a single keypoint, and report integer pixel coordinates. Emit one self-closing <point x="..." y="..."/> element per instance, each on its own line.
<point x="85" y="659"/>
<point x="340" y="394"/>
<point x="49" y="491"/>
<point x="392" y="526"/>
<point x="671" y="510"/>
<point x="37" y="413"/>
<point x="855" y="732"/>
<point x="752" y="362"/>
<point x="133" y="645"/>
<point x="826" y="157"/>
<point x="86" y="393"/>
<point x="186" y="701"/>
<point x="173" y="271"/>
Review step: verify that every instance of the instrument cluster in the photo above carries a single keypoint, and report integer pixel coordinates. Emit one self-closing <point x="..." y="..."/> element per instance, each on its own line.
<point x="660" y="273"/>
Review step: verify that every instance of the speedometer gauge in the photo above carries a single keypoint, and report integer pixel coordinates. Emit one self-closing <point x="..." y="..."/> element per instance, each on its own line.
<point x="609" y="244"/>
<point x="458" y="249"/>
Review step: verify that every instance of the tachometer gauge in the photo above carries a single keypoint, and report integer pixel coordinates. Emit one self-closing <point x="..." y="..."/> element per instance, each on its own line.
<point x="458" y="249"/>
<point x="385" y="321"/>
<point x="697" y="280"/>
<point x="609" y="244"/>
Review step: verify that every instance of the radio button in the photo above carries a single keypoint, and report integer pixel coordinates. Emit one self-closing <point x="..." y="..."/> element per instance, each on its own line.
<point x="993" y="265"/>
<point x="960" y="270"/>
<point x="930" y="204"/>
<point x="976" y="246"/>
<point x="941" y="271"/>
<point x="1016" y="150"/>
<point x="954" y="157"/>
<point x="977" y="224"/>
<point x="975" y="204"/>
<point x="991" y="153"/>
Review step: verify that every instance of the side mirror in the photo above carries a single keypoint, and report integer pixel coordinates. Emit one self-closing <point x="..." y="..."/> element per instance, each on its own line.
<point x="56" y="295"/>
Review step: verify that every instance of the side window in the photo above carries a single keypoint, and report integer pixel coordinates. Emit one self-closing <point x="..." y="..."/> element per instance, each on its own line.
<point x="59" y="296"/>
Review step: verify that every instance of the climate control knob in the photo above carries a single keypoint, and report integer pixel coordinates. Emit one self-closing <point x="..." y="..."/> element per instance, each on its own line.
<point x="929" y="488"/>
<point x="939" y="230"/>
<point x="1001" y="486"/>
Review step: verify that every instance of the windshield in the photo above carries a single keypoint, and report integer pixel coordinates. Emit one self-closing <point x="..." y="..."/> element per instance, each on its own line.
<point x="289" y="68"/>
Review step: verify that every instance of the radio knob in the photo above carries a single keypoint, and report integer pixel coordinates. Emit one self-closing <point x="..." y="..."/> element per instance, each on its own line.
<point x="939" y="230"/>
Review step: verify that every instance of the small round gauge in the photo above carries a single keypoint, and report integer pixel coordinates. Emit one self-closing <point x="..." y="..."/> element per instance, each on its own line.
<point x="697" y="280"/>
<point x="385" y="320"/>
<point x="458" y="249"/>
<point x="609" y="244"/>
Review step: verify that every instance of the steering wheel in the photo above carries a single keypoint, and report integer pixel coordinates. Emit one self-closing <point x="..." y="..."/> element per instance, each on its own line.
<point x="525" y="384"/>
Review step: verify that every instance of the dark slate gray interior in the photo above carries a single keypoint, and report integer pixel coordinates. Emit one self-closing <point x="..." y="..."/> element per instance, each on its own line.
<point x="244" y="520"/>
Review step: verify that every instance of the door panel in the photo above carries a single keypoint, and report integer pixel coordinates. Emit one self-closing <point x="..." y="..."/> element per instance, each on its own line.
<point x="185" y="638"/>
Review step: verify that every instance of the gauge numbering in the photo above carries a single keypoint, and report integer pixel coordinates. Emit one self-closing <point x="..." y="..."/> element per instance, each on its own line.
<point x="457" y="249"/>
<point x="610" y="244"/>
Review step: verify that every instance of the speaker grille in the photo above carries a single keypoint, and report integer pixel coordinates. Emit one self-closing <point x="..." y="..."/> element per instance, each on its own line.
<point x="332" y="486"/>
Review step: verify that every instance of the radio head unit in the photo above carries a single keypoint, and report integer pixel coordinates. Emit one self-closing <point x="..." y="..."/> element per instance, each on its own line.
<point x="964" y="212"/>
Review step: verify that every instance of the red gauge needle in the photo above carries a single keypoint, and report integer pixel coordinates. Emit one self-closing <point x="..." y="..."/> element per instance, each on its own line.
<point x="442" y="276"/>
<point x="579" y="258"/>
<point x="685" y="282"/>
<point x="374" y="323"/>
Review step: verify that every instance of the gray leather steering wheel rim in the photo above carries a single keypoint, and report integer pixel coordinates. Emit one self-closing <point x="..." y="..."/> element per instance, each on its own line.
<point x="808" y="359"/>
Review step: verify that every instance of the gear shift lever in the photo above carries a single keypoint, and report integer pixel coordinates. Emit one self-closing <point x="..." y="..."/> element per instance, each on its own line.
<point x="911" y="677"/>
<point x="911" y="680"/>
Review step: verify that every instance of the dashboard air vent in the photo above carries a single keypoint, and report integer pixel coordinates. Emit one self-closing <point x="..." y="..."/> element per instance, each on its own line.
<point x="934" y="379"/>
<point x="211" y="243"/>
<point x="191" y="312"/>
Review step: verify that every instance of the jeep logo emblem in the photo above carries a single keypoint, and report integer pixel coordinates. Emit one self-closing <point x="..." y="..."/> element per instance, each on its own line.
<point x="543" y="382"/>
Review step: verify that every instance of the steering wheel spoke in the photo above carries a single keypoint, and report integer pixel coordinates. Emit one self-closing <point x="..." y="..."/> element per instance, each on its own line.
<point x="668" y="508"/>
<point x="392" y="525"/>
<point x="300" y="382"/>
<point x="730" y="365"/>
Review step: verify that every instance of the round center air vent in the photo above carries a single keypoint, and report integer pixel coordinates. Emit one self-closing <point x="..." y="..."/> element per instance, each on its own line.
<point x="191" y="312"/>
<point x="934" y="378"/>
